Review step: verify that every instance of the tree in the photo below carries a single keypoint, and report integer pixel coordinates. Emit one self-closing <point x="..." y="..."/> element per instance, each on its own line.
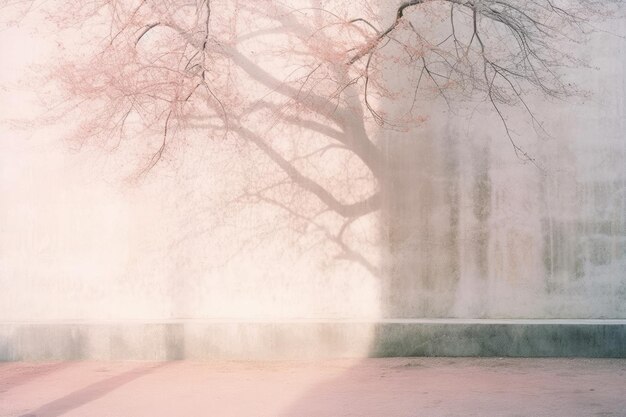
<point x="332" y="77"/>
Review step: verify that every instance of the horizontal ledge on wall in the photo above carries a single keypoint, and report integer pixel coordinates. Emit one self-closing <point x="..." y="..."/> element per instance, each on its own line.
<point x="316" y="320"/>
<point x="307" y="339"/>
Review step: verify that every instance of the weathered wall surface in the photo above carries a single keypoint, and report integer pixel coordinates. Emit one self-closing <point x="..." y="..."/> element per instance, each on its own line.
<point x="474" y="231"/>
<point x="467" y="229"/>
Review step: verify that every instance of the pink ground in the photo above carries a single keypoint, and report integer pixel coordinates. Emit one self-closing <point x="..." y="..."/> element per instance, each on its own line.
<point x="371" y="387"/>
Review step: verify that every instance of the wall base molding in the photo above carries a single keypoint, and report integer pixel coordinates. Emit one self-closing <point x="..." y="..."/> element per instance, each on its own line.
<point x="306" y="339"/>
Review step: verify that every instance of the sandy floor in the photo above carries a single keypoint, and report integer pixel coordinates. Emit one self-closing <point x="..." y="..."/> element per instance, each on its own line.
<point x="372" y="387"/>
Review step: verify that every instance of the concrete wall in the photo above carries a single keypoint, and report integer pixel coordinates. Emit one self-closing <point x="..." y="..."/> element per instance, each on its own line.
<point x="474" y="231"/>
<point x="467" y="230"/>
